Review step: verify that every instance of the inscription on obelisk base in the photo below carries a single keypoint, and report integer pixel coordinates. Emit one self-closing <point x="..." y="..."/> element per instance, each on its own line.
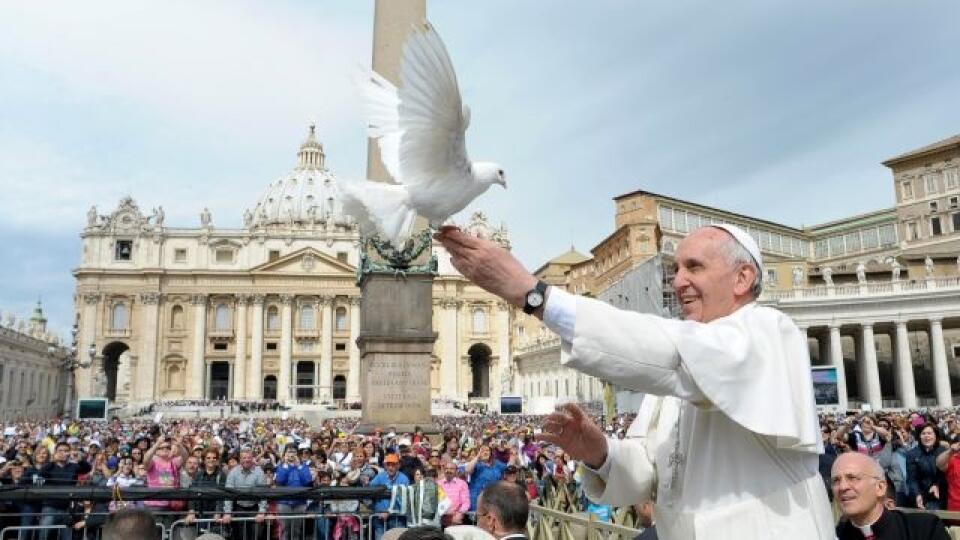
<point x="396" y="342"/>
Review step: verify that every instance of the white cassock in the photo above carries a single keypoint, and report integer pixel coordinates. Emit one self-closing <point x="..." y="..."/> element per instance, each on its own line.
<point x="735" y="457"/>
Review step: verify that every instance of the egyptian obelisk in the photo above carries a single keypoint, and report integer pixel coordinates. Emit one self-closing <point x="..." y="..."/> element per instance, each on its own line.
<point x="396" y="337"/>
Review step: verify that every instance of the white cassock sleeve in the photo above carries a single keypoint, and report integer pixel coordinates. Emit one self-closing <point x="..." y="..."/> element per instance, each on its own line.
<point x="740" y="364"/>
<point x="628" y="475"/>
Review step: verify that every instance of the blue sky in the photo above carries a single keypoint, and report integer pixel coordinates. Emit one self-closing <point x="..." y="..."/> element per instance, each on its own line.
<point x="781" y="110"/>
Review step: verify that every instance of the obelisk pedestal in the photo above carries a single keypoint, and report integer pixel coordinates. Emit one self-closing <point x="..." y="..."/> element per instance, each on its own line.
<point x="396" y="342"/>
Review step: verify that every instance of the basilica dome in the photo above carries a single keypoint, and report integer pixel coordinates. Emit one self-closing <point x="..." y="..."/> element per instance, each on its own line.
<point x="308" y="194"/>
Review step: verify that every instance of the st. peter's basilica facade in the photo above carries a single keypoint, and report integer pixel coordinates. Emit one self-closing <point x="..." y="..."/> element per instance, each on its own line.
<point x="266" y="311"/>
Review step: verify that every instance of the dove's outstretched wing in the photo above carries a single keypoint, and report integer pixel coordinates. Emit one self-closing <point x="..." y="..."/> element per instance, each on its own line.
<point x="420" y="127"/>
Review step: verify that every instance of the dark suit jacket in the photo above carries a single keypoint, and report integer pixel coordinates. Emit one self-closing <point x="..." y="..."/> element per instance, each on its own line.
<point x="897" y="525"/>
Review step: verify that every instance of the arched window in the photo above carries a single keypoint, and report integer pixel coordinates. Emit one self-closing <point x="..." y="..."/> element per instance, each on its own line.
<point x="341" y="319"/>
<point x="222" y="317"/>
<point x="308" y="320"/>
<point x="176" y="317"/>
<point x="273" y="318"/>
<point x="120" y="317"/>
<point x="479" y="321"/>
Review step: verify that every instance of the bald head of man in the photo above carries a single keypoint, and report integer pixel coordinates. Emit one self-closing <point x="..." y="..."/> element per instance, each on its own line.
<point x="859" y="487"/>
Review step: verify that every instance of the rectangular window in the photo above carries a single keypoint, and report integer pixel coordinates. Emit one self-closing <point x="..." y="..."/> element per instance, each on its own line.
<point x="930" y="183"/>
<point x="956" y="222"/>
<point x="274" y="255"/>
<point x="836" y="246"/>
<point x="340" y="346"/>
<point x="219" y="346"/>
<point x="271" y="345"/>
<point x="954" y="202"/>
<point x="852" y="241"/>
<point x="777" y="243"/>
<point x="888" y="235"/>
<point x="934" y="206"/>
<point x="820" y="249"/>
<point x="342" y="256"/>
<point x="680" y="220"/>
<point x="666" y="218"/>
<point x="906" y="189"/>
<point x="935" y="227"/>
<point x="224" y="256"/>
<point x="772" y="276"/>
<point x="913" y="231"/>
<point x="952" y="178"/>
<point x="180" y="255"/>
<point x="123" y="250"/>
<point x="870" y="238"/>
<point x="693" y="221"/>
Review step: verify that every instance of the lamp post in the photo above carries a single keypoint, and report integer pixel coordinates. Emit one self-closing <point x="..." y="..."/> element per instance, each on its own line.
<point x="69" y="364"/>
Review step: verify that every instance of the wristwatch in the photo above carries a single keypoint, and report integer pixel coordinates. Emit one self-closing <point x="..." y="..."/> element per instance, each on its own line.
<point x="535" y="297"/>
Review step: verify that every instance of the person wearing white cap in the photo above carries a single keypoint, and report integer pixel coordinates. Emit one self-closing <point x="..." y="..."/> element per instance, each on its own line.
<point x="736" y="456"/>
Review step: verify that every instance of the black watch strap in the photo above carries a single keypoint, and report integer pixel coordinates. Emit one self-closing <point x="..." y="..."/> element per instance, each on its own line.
<point x="540" y="287"/>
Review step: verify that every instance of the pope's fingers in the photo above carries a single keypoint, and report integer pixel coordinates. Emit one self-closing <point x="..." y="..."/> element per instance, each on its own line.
<point x="575" y="412"/>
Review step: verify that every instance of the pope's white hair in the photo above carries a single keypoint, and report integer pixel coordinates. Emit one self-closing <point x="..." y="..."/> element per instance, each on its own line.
<point x="736" y="254"/>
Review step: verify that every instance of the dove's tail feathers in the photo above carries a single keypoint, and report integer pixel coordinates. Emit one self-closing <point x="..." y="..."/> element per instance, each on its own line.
<point x="382" y="208"/>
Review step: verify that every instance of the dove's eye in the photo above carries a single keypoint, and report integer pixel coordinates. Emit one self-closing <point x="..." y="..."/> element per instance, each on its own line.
<point x="500" y="172"/>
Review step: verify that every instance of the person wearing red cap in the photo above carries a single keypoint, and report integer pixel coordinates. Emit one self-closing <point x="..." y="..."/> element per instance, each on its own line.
<point x="736" y="456"/>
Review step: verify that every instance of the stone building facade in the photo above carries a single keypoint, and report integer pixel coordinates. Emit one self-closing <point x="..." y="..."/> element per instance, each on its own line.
<point x="31" y="368"/>
<point x="269" y="310"/>
<point x="878" y="294"/>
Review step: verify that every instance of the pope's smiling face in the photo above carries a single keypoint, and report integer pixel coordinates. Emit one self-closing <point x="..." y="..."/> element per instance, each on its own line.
<point x="708" y="285"/>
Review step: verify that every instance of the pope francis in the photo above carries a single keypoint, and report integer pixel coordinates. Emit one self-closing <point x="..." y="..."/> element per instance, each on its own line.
<point x="732" y="454"/>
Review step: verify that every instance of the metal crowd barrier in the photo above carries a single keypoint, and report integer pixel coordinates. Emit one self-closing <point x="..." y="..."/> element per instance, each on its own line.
<point x="54" y="532"/>
<point x="548" y="524"/>
<point x="300" y="526"/>
<point x="274" y="526"/>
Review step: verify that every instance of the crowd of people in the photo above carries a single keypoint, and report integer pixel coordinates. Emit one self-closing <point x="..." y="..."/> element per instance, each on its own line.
<point x="435" y="482"/>
<point x="919" y="453"/>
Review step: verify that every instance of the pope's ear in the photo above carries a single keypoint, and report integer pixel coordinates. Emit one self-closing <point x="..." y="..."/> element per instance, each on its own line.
<point x="744" y="279"/>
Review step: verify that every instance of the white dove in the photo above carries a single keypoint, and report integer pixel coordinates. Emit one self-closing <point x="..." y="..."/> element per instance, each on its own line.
<point x="420" y="129"/>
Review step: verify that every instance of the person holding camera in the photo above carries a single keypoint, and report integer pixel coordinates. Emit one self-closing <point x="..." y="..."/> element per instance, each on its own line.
<point x="292" y="473"/>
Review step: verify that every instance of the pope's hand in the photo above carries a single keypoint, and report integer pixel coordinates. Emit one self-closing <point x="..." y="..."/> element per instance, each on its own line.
<point x="487" y="265"/>
<point x="579" y="437"/>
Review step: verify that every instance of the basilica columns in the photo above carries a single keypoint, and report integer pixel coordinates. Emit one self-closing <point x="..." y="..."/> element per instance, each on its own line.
<point x="286" y="343"/>
<point x="326" y="349"/>
<point x="195" y="389"/>
<point x="503" y="382"/>
<point x="904" y="368"/>
<point x="449" y="381"/>
<point x="240" y="359"/>
<point x="941" y="373"/>
<point x="870" y="371"/>
<point x="353" y="373"/>
<point x="146" y="374"/>
<point x="255" y="380"/>
<point x="836" y="359"/>
<point x="82" y="379"/>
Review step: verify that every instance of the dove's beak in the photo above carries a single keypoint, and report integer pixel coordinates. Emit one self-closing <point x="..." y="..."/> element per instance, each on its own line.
<point x="502" y="183"/>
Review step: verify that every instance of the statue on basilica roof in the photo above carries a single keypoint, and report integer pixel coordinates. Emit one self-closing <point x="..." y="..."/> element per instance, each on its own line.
<point x="205" y="217"/>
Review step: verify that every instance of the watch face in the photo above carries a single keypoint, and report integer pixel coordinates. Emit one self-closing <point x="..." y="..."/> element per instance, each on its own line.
<point x="535" y="299"/>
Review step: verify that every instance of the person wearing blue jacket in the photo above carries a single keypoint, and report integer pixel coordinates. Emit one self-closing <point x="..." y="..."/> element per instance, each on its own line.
<point x="292" y="473"/>
<point x="390" y="512"/>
